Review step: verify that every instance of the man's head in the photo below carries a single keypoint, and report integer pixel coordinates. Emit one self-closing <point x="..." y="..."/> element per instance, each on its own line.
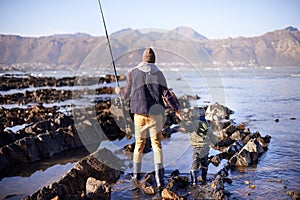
<point x="149" y="56"/>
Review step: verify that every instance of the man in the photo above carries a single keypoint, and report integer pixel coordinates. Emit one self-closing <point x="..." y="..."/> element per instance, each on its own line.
<point x="147" y="89"/>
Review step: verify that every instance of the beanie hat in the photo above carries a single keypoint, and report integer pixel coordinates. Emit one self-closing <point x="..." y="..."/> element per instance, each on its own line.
<point x="149" y="56"/>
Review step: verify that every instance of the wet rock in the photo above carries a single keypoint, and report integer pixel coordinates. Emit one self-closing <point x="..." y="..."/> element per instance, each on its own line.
<point x="267" y="139"/>
<point x="249" y="154"/>
<point x="236" y="135"/>
<point x="52" y="191"/>
<point x="252" y="186"/>
<point x="241" y="126"/>
<point x="6" y="137"/>
<point x="73" y="183"/>
<point x="218" y="187"/>
<point x="47" y="145"/>
<point x="230" y="129"/>
<point x="63" y="121"/>
<point x="294" y="195"/>
<point x="146" y="184"/>
<point x="167" y="194"/>
<point x="225" y="142"/>
<point x="215" y="160"/>
<point x="37" y="147"/>
<point x="218" y="194"/>
<point x="96" y="189"/>
<point x="4" y="160"/>
<point x="178" y="182"/>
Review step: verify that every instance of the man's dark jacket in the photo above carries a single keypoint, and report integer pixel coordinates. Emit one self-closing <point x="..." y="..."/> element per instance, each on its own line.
<point x="147" y="89"/>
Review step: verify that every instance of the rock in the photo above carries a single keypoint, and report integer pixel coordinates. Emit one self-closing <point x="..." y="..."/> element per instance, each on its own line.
<point x="47" y="145"/>
<point x="230" y="129"/>
<point x="241" y="126"/>
<point x="96" y="189"/>
<point x="6" y="137"/>
<point x="5" y="162"/>
<point x="267" y="139"/>
<point x="236" y="136"/>
<point x="215" y="160"/>
<point x="167" y="194"/>
<point x="253" y="146"/>
<point x="73" y="183"/>
<point x="248" y="154"/>
<point x="30" y="149"/>
<point x="147" y="184"/>
<point x="252" y="186"/>
<point x="63" y="121"/>
<point x="225" y="142"/>
<point x="52" y="191"/>
<point x="218" y="194"/>
<point x="218" y="183"/>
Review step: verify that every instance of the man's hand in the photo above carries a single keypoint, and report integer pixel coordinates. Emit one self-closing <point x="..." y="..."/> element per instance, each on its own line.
<point x="178" y="114"/>
<point x="117" y="90"/>
<point x="128" y="133"/>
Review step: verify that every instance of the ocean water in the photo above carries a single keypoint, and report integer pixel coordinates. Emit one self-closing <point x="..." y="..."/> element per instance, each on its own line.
<point x="258" y="96"/>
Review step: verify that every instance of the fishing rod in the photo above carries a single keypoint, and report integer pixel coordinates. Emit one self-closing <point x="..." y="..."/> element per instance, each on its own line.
<point x="128" y="136"/>
<point x="109" y="46"/>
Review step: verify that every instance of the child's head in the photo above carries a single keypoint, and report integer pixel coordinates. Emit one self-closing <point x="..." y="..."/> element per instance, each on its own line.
<point x="191" y="115"/>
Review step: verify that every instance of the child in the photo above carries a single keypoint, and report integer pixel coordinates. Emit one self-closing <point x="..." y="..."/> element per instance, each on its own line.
<point x="201" y="137"/>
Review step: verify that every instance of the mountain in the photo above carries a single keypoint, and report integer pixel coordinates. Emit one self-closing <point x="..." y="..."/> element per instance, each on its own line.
<point x="276" y="48"/>
<point x="190" y="33"/>
<point x="45" y="52"/>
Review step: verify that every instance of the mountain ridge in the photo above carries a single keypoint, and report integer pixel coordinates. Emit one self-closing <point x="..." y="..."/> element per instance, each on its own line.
<point x="65" y="51"/>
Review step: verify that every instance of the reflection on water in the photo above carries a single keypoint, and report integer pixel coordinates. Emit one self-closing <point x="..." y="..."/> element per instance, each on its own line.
<point x="26" y="179"/>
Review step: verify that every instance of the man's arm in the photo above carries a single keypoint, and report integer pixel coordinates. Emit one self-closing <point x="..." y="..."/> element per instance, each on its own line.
<point x="168" y="98"/>
<point x="125" y="92"/>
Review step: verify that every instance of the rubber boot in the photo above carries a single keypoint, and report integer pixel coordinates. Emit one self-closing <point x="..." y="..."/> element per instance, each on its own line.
<point x="136" y="175"/>
<point x="159" y="176"/>
<point x="203" y="176"/>
<point x="193" y="174"/>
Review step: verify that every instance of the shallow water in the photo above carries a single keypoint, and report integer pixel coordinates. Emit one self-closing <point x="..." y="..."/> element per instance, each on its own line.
<point x="23" y="180"/>
<point x="258" y="96"/>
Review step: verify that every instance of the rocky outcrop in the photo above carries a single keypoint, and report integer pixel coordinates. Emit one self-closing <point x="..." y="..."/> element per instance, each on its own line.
<point x="236" y="144"/>
<point x="9" y="82"/>
<point x="89" y="178"/>
<point x="51" y="132"/>
<point x="36" y="132"/>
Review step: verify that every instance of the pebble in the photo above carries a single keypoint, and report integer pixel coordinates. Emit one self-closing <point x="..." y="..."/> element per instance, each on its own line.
<point x="252" y="186"/>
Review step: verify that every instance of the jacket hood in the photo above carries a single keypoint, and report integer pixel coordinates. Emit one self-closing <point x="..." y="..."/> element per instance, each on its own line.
<point x="147" y="67"/>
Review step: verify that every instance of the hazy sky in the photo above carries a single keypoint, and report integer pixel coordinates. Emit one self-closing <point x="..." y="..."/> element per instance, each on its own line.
<point x="211" y="18"/>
